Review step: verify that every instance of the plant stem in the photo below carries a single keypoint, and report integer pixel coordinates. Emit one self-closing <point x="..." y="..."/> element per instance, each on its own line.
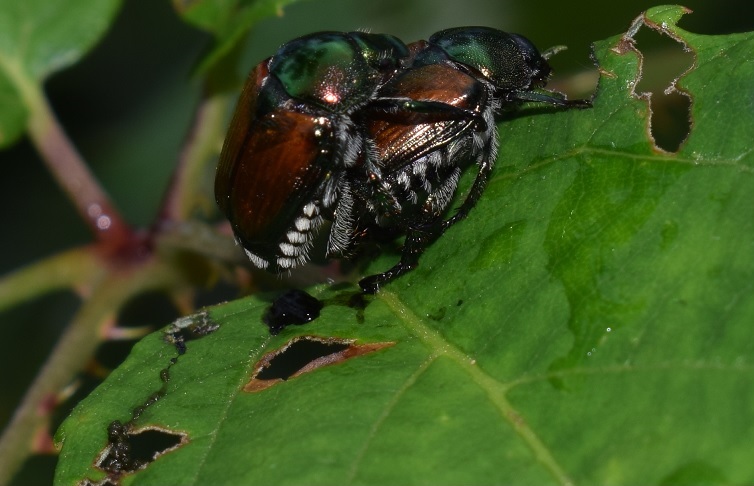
<point x="72" y="173"/>
<point x="77" y="269"/>
<point x="185" y="193"/>
<point x="73" y="350"/>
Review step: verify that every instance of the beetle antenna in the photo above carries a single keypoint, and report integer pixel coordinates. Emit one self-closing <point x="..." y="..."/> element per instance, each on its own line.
<point x="548" y="53"/>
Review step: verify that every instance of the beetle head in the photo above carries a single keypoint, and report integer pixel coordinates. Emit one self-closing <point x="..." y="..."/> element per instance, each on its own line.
<point x="510" y="62"/>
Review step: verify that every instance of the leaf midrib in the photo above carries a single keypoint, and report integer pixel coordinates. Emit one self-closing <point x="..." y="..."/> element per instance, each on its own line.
<point x="495" y="390"/>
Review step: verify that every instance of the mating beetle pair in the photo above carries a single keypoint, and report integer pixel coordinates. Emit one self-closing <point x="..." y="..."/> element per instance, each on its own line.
<point x="370" y="134"/>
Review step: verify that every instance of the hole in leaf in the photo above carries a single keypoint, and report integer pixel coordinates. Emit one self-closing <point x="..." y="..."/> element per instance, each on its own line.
<point x="303" y="355"/>
<point x="663" y="61"/>
<point x="132" y="450"/>
<point x="293" y="307"/>
<point x="297" y="355"/>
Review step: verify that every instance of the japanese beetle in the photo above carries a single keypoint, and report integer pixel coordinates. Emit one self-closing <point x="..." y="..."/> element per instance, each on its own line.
<point x="480" y="72"/>
<point x="385" y="156"/>
<point x="281" y="168"/>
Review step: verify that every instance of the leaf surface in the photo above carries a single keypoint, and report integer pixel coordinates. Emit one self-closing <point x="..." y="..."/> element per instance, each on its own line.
<point x="38" y="38"/>
<point x="588" y="323"/>
<point x="228" y="20"/>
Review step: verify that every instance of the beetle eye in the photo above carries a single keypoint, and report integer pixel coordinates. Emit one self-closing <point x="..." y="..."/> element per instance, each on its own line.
<point x="536" y="62"/>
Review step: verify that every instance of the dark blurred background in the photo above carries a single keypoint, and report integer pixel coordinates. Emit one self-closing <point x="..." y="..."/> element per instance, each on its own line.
<point x="127" y="106"/>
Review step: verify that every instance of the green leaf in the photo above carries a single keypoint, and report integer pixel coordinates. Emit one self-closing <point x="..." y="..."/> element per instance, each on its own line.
<point x="38" y="38"/>
<point x="228" y="20"/>
<point x="588" y="323"/>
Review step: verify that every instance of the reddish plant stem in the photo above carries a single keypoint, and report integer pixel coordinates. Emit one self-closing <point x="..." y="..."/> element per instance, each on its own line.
<point x="72" y="173"/>
<point x="184" y="194"/>
<point x="73" y="350"/>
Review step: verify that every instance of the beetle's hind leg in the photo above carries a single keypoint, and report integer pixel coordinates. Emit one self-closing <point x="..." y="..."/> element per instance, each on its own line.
<point x="419" y="237"/>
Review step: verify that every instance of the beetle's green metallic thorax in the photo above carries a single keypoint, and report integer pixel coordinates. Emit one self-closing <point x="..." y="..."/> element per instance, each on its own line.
<point x="337" y="71"/>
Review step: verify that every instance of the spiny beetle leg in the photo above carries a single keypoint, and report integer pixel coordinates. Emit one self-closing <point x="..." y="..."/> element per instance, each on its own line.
<point x="477" y="188"/>
<point x="417" y="240"/>
<point x="552" y="100"/>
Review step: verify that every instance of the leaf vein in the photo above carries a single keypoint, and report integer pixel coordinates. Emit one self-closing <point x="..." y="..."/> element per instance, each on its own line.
<point x="495" y="390"/>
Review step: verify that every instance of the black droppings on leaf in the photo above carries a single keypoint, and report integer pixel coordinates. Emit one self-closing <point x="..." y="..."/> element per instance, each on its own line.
<point x="189" y="328"/>
<point x="104" y="482"/>
<point x="116" y="458"/>
<point x="153" y="398"/>
<point x="180" y="345"/>
<point x="156" y="396"/>
<point x="293" y="307"/>
<point x="129" y="450"/>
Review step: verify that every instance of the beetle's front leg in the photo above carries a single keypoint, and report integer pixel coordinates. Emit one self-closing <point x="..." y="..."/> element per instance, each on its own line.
<point x="549" y="99"/>
<point x="485" y="167"/>
<point x="417" y="240"/>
